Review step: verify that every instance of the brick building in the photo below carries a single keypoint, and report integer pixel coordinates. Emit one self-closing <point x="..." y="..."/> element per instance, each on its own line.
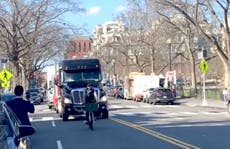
<point x="79" y="47"/>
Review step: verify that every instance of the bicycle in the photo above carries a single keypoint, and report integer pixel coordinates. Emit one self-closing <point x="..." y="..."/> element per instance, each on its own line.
<point x="91" y="107"/>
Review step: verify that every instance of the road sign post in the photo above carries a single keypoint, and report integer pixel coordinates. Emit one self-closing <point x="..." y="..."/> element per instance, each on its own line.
<point x="204" y="69"/>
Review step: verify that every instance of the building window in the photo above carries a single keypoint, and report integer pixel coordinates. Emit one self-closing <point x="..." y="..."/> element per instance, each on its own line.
<point x="74" y="47"/>
<point x="79" y="46"/>
<point x="84" y="46"/>
<point x="89" y="46"/>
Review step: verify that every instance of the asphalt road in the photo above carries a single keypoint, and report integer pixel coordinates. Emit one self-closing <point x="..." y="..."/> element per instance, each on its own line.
<point x="135" y="125"/>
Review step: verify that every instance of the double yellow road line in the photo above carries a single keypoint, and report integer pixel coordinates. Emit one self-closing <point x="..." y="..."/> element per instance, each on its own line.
<point x="157" y="134"/>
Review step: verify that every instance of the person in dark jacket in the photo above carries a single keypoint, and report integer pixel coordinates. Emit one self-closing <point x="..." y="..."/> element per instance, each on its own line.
<point x="89" y="98"/>
<point x="21" y="107"/>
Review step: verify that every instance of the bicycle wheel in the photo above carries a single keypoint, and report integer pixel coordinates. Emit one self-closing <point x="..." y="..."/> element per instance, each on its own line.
<point x="91" y="121"/>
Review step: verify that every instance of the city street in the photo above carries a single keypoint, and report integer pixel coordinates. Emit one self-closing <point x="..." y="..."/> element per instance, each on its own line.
<point x="136" y="125"/>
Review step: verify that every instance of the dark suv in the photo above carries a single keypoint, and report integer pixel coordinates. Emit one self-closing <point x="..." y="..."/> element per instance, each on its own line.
<point x="161" y="95"/>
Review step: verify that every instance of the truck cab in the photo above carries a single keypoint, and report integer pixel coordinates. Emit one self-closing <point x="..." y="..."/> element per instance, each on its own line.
<point x="73" y="77"/>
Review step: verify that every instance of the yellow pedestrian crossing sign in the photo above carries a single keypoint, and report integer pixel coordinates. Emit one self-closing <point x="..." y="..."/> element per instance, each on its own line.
<point x="203" y="66"/>
<point x="5" y="75"/>
<point x="5" y="84"/>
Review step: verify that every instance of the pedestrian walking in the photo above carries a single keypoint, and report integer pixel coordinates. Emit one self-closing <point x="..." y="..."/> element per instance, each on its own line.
<point x="225" y="95"/>
<point x="174" y="91"/>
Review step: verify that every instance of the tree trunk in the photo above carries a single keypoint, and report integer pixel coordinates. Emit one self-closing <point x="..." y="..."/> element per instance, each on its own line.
<point x="152" y="58"/>
<point x="226" y="74"/>
<point x="192" y="69"/>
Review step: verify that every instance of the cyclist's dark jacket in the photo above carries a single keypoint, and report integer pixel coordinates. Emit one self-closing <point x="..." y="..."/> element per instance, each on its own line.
<point x="21" y="108"/>
<point x="90" y="98"/>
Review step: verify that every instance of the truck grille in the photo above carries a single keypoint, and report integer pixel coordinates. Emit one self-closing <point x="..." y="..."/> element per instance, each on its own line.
<point x="79" y="95"/>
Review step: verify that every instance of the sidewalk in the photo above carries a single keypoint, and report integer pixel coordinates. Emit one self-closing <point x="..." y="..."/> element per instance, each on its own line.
<point x="214" y="103"/>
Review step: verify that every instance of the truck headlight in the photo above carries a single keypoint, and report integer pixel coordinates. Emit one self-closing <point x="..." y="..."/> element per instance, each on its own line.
<point x="67" y="100"/>
<point x="104" y="98"/>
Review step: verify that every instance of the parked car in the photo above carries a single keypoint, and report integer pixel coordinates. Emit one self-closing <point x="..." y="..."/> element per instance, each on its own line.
<point x="109" y="92"/>
<point x="50" y="96"/>
<point x="161" y="95"/>
<point x="31" y="91"/>
<point x="138" y="97"/>
<point x="120" y="92"/>
<point x="42" y="90"/>
<point x="35" y="98"/>
<point x="13" y="134"/>
<point x="147" y="93"/>
<point x="7" y="96"/>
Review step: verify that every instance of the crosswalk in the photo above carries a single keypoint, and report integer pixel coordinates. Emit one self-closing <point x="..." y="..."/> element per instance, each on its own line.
<point x="133" y="110"/>
<point x="116" y="110"/>
<point x="141" y="106"/>
<point x="172" y="114"/>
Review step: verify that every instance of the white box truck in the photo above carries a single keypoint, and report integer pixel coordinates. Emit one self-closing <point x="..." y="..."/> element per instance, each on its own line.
<point x="136" y="83"/>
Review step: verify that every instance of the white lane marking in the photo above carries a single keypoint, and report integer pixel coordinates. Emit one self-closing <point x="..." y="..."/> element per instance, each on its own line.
<point x="163" y="114"/>
<point x="126" y="113"/>
<point x="224" y="113"/>
<point x="194" y="125"/>
<point x="47" y="118"/>
<point x="115" y="107"/>
<point x="131" y="107"/>
<point x="46" y="110"/>
<point x="166" y="106"/>
<point x="59" y="144"/>
<point x="146" y="106"/>
<point x="189" y="113"/>
<point x="53" y="124"/>
<point x="145" y="113"/>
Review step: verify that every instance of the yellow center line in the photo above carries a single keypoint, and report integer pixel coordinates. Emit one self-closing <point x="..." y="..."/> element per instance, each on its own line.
<point x="157" y="134"/>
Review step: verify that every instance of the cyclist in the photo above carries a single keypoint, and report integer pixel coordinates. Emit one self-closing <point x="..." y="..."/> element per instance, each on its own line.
<point x="90" y="97"/>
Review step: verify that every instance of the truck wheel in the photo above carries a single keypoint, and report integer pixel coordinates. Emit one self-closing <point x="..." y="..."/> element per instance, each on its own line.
<point x="105" y="114"/>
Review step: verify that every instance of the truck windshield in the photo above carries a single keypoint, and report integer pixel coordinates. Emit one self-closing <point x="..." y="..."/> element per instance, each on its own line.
<point x="76" y="76"/>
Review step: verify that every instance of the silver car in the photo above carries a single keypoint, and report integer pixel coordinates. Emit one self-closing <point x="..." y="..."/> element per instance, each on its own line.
<point x="13" y="135"/>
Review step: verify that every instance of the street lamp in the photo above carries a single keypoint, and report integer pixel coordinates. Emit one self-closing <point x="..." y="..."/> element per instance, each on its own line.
<point x="169" y="43"/>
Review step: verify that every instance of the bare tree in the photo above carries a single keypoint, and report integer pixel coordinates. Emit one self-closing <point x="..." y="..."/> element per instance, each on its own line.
<point x="214" y="20"/>
<point x="32" y="32"/>
<point x="181" y="28"/>
<point x="143" y="36"/>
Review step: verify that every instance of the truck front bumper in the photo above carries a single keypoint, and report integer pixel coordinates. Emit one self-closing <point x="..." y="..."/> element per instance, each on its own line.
<point x="72" y="109"/>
